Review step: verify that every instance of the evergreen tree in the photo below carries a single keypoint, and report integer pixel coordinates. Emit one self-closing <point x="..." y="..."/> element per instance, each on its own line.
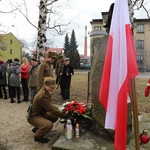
<point x="73" y="49"/>
<point x="76" y="60"/>
<point x="66" y="46"/>
<point x="70" y="50"/>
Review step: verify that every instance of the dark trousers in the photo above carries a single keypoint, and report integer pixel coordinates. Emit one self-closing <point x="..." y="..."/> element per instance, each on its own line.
<point x="3" y="90"/>
<point x="14" y="90"/>
<point x="25" y="88"/>
<point x="44" y="124"/>
<point x="9" y="92"/>
<point x="65" y="91"/>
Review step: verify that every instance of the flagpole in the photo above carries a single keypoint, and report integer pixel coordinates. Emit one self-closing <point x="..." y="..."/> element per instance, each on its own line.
<point x="135" y="114"/>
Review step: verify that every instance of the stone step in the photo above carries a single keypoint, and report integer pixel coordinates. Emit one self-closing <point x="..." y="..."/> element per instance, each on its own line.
<point x="87" y="141"/>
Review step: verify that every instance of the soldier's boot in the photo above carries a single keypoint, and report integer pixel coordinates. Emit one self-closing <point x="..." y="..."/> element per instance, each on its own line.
<point x="41" y="140"/>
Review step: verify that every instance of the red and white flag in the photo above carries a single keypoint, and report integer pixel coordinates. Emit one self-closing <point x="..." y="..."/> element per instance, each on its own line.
<point x="120" y="66"/>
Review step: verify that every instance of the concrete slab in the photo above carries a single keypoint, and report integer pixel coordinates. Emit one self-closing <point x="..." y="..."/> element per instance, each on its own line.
<point x="87" y="141"/>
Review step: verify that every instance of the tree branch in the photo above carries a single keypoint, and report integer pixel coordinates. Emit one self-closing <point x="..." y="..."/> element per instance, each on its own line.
<point x="146" y="11"/>
<point x="53" y="1"/>
<point x="28" y="19"/>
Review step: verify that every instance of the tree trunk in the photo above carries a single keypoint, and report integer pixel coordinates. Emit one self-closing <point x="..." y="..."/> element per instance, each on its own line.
<point x="41" y="38"/>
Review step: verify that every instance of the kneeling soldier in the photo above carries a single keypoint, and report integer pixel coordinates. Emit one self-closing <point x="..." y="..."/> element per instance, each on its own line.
<point x="44" y="113"/>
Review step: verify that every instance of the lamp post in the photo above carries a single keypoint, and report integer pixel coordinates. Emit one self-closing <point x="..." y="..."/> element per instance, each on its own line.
<point x="16" y="29"/>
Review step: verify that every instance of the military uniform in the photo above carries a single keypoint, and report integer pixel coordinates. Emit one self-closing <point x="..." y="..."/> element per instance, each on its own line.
<point x="57" y="69"/>
<point x="45" y="70"/>
<point x="32" y="78"/>
<point x="44" y="113"/>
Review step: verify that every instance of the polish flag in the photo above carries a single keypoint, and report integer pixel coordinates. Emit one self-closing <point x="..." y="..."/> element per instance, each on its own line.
<point x="119" y="68"/>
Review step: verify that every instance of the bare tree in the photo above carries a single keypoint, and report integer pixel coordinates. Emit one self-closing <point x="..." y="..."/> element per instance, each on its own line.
<point x="141" y="5"/>
<point x="41" y="38"/>
<point x="50" y="19"/>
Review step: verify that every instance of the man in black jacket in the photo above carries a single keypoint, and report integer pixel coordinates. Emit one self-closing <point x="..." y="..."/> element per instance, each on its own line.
<point x="65" y="81"/>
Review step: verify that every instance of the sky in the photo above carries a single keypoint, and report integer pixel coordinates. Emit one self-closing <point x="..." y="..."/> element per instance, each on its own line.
<point x="81" y="12"/>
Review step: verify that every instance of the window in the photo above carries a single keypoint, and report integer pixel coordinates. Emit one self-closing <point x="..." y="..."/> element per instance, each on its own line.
<point x="140" y="44"/>
<point x="97" y="28"/>
<point x="139" y="57"/>
<point x="140" y="28"/>
<point x="10" y="51"/>
<point x="11" y="41"/>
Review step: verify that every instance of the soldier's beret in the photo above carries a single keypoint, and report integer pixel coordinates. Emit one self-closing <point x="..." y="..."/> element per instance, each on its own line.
<point x="49" y="81"/>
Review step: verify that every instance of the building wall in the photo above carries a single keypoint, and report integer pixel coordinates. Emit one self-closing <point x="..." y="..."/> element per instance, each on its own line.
<point x="13" y="47"/>
<point x="142" y="53"/>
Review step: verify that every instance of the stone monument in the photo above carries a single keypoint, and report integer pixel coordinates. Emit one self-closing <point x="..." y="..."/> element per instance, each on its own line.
<point x="98" y="46"/>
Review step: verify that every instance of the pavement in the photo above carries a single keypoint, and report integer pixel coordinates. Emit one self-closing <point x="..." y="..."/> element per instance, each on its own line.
<point x="91" y="141"/>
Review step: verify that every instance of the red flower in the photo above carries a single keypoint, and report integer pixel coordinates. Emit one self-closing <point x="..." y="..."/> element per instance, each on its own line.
<point x="66" y="109"/>
<point x="77" y="110"/>
<point x="71" y="108"/>
<point x="74" y="103"/>
<point x="81" y="108"/>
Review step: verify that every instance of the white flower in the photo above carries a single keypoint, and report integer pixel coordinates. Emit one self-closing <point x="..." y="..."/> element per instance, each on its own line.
<point x="64" y="104"/>
<point x="61" y="108"/>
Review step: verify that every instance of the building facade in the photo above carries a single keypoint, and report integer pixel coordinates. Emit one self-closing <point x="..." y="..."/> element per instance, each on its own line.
<point x="141" y="35"/>
<point x="10" y="47"/>
<point x="142" y="44"/>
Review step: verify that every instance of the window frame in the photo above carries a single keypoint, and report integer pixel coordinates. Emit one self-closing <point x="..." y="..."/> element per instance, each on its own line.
<point x="140" y="28"/>
<point x="140" y="44"/>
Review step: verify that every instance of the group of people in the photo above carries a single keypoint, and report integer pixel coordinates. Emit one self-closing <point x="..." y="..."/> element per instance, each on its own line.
<point x="44" y="113"/>
<point x="39" y="78"/>
<point x="11" y="74"/>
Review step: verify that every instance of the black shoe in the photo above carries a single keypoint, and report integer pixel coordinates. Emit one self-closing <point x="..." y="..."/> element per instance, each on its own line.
<point x="5" y="97"/>
<point x="34" y="130"/>
<point x="59" y="94"/>
<point x="12" y="101"/>
<point x="19" y="102"/>
<point x="41" y="140"/>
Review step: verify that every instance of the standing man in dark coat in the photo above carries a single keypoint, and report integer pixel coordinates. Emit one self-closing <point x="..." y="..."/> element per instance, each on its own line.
<point x="65" y="81"/>
<point x="46" y="69"/>
<point x="44" y="113"/>
<point x="3" y="81"/>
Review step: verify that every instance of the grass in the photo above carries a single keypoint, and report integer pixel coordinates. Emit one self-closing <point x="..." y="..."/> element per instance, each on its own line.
<point x="143" y="102"/>
<point x="79" y="88"/>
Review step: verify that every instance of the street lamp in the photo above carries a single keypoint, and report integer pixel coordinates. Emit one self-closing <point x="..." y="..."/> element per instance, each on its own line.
<point x="16" y="29"/>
